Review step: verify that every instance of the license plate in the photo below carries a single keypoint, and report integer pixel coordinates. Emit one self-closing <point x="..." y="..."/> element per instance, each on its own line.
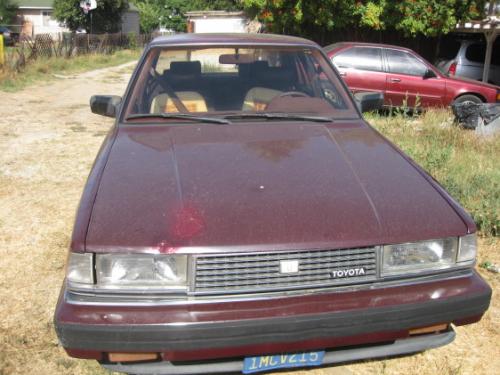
<point x="271" y="362"/>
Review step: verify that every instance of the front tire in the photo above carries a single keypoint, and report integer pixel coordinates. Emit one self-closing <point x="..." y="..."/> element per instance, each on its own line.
<point x="466" y="110"/>
<point x="468" y="99"/>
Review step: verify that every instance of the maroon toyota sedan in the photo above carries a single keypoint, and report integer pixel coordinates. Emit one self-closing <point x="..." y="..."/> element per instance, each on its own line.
<point x="404" y="77"/>
<point x="241" y="215"/>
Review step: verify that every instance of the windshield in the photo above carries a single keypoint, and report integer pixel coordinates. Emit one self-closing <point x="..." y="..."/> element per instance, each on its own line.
<point x="232" y="80"/>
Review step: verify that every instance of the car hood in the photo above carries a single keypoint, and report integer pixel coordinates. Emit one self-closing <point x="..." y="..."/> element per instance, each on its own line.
<point x="261" y="186"/>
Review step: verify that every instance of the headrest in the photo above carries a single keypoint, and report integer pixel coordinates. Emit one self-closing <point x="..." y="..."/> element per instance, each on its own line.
<point x="252" y="69"/>
<point x="185" y="68"/>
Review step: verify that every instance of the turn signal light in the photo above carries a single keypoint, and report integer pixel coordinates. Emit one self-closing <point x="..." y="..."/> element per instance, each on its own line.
<point x="452" y="70"/>
<point x="132" y="357"/>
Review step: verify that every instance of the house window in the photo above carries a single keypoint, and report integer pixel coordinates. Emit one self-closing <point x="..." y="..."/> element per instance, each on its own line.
<point x="46" y="17"/>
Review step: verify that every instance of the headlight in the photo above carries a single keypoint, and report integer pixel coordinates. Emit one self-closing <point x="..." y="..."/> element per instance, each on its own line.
<point x="141" y="271"/>
<point x="426" y="256"/>
<point x="79" y="268"/>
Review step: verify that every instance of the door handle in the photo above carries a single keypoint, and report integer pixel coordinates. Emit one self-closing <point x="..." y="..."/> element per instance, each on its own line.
<point x="395" y="80"/>
<point x="342" y="74"/>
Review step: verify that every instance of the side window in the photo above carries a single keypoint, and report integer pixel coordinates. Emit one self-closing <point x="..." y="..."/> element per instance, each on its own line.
<point x="476" y="53"/>
<point x="46" y="16"/>
<point x="364" y="58"/>
<point x="401" y="62"/>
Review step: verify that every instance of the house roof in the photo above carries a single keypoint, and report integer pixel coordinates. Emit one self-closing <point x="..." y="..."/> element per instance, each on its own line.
<point x="491" y="23"/>
<point x="36" y="4"/>
<point x="213" y="14"/>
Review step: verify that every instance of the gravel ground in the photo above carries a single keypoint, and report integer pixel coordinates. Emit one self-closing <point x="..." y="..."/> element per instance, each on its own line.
<point x="48" y="140"/>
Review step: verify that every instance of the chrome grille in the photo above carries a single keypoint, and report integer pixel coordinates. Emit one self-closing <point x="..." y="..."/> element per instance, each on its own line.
<point x="258" y="272"/>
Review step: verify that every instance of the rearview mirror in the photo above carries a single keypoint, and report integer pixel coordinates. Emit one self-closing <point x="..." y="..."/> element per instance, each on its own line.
<point x="105" y="105"/>
<point x="237" y="58"/>
<point x="369" y="101"/>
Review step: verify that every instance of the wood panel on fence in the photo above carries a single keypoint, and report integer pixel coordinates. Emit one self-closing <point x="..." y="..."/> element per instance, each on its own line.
<point x="68" y="45"/>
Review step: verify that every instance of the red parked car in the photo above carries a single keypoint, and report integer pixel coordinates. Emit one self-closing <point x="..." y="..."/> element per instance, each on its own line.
<point x="404" y="77"/>
<point x="241" y="215"/>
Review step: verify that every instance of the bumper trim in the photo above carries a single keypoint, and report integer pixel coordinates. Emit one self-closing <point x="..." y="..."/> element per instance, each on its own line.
<point x="398" y="347"/>
<point x="197" y="336"/>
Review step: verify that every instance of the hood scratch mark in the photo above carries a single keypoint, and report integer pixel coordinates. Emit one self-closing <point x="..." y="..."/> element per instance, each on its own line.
<point x="177" y="174"/>
<point x="351" y="167"/>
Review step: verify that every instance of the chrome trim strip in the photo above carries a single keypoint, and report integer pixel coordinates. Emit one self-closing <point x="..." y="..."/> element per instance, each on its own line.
<point x="111" y="299"/>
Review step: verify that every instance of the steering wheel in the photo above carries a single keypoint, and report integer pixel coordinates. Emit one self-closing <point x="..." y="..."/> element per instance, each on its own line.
<point x="297" y="94"/>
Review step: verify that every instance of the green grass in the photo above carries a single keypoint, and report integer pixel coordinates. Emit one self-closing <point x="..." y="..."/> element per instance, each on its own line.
<point x="43" y="69"/>
<point x="467" y="165"/>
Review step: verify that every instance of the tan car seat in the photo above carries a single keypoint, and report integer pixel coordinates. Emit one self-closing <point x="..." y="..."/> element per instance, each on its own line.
<point x="192" y="100"/>
<point x="184" y="77"/>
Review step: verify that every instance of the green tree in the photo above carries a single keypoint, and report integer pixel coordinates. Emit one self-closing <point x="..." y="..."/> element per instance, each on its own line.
<point x="412" y="17"/>
<point x="8" y="10"/>
<point x="228" y="5"/>
<point x="172" y="14"/>
<point x="149" y="13"/>
<point x="431" y="17"/>
<point x="106" y="18"/>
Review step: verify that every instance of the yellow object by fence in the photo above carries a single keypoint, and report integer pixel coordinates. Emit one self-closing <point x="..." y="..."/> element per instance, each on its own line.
<point x="2" y="60"/>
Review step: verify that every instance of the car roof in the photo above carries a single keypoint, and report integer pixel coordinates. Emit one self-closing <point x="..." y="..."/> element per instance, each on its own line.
<point x="342" y="45"/>
<point x="231" y="39"/>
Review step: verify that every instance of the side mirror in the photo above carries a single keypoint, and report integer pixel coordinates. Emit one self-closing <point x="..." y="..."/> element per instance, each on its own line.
<point x="429" y="74"/>
<point x="369" y="101"/>
<point x="105" y="105"/>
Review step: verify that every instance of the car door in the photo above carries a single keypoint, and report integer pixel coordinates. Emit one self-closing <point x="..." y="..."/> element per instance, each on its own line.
<point x="361" y="68"/>
<point x="407" y="83"/>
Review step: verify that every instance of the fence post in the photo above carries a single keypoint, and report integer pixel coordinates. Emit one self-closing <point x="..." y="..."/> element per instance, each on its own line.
<point x="2" y="58"/>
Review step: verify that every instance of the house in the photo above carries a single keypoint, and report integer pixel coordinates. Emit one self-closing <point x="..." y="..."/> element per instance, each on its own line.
<point x="219" y="21"/>
<point x="36" y="17"/>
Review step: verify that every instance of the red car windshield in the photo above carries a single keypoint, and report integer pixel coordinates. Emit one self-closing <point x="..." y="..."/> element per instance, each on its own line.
<point x="237" y="80"/>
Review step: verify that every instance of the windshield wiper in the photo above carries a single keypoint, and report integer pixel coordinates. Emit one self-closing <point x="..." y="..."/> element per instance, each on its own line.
<point x="180" y="116"/>
<point x="279" y="116"/>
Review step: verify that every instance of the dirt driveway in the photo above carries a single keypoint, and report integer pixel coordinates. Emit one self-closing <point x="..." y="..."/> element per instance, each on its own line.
<point x="48" y="140"/>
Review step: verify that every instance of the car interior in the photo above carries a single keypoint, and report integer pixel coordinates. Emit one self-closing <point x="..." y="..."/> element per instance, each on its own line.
<point x="252" y="88"/>
<point x="248" y="86"/>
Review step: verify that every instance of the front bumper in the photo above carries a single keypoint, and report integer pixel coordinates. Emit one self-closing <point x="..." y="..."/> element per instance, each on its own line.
<point x="398" y="347"/>
<point x="228" y="328"/>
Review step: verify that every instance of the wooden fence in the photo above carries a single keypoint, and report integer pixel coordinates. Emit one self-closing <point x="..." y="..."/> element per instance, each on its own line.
<point x="68" y="45"/>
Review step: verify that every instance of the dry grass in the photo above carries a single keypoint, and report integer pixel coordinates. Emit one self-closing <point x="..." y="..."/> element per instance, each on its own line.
<point x="48" y="139"/>
<point x="46" y="69"/>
